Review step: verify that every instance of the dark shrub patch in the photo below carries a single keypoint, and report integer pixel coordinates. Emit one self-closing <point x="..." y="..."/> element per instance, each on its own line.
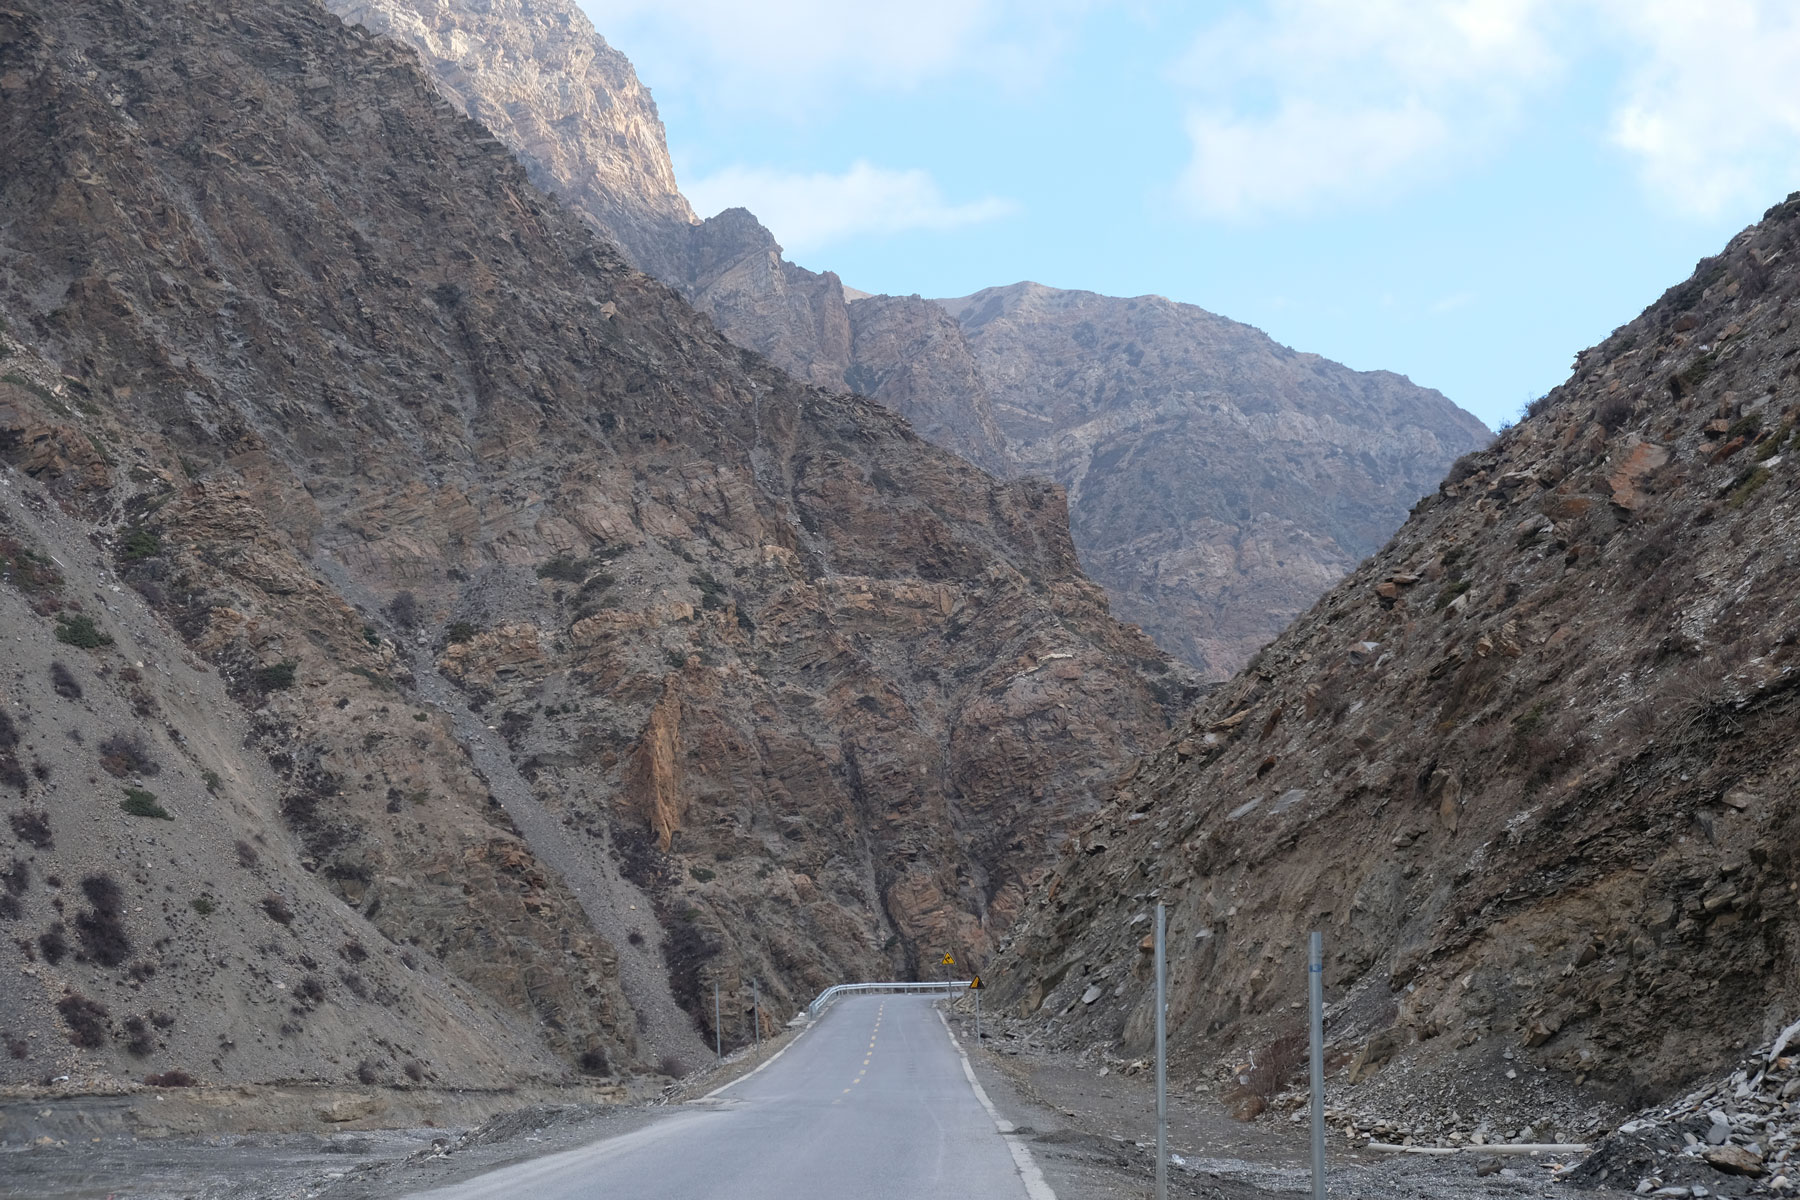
<point x="141" y="803"/>
<point x="125" y="754"/>
<point x="310" y="991"/>
<point x="79" y="630"/>
<point x="414" y="1071"/>
<point x="101" y="929"/>
<point x="33" y="828"/>
<point x="1613" y="412"/>
<point x="276" y="678"/>
<point x="86" y="1020"/>
<point x="277" y="908"/>
<point x="404" y="608"/>
<point x="366" y="1072"/>
<point x="356" y="984"/>
<point x="353" y="951"/>
<point x="170" y="1079"/>
<point x="63" y="680"/>
<point x="460" y="632"/>
<point x="204" y="905"/>
<point x="246" y="854"/>
<point x="138" y="1041"/>
<point x="565" y="569"/>
<point x="53" y="944"/>
<point x="18" y="1047"/>
<point x="138" y="543"/>
<point x="16" y="878"/>
<point x="593" y="1062"/>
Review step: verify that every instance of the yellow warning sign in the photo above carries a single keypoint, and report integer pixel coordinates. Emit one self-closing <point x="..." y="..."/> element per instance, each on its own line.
<point x="948" y="961"/>
<point x="975" y="984"/>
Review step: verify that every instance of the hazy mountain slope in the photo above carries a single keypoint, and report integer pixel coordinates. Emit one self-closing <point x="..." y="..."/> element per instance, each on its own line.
<point x="1178" y="433"/>
<point x="1218" y="482"/>
<point x="1531" y="768"/>
<point x="767" y="684"/>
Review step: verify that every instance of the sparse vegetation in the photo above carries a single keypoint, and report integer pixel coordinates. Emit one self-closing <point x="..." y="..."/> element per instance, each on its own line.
<point x="33" y="828"/>
<point x="123" y="754"/>
<point x="211" y="779"/>
<point x="277" y="909"/>
<point x="460" y="632"/>
<point x="593" y="1062"/>
<point x="1747" y="485"/>
<point x="702" y="875"/>
<point x="565" y="569"/>
<point x="277" y="677"/>
<point x="246" y="854"/>
<point x="141" y="802"/>
<point x="204" y="905"/>
<point x="137" y="543"/>
<point x="1272" y="1068"/>
<point x="404" y="609"/>
<point x="101" y="929"/>
<point x="63" y="680"/>
<point x="138" y="1039"/>
<point x="170" y="1079"/>
<point x="86" y="1019"/>
<point x="79" y="630"/>
<point x="53" y="944"/>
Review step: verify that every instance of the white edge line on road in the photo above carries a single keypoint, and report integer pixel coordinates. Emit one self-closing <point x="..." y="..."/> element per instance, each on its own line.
<point x="763" y="1066"/>
<point x="1035" y="1186"/>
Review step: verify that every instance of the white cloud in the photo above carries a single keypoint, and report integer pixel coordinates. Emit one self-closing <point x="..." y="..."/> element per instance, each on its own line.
<point x="1710" y="109"/>
<point x="1313" y="103"/>
<point x="809" y="211"/>
<point x="1318" y="102"/>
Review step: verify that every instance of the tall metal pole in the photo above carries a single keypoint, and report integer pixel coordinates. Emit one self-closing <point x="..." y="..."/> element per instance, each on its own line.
<point x="1162" y="1055"/>
<point x="718" y="1034"/>
<point x="978" y="1016"/>
<point x="1315" y="987"/>
<point x="756" y="1016"/>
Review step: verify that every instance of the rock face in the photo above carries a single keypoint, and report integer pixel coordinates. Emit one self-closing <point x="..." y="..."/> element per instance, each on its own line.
<point x="1178" y="434"/>
<point x="1530" y="768"/>
<point x="1218" y="482"/>
<point x="586" y="658"/>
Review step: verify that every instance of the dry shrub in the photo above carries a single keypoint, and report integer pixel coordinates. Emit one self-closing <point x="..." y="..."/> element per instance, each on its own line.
<point x="85" y="1018"/>
<point x="33" y="828"/>
<point x="101" y="929"/>
<point x="171" y="1079"/>
<point x="1273" y="1067"/>
<point x="53" y="944"/>
<point x="138" y="1040"/>
<point x="277" y="908"/>
<point x="124" y="754"/>
<point x="64" y="681"/>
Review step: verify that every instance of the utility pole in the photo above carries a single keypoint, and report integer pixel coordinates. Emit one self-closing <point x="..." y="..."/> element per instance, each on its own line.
<point x="718" y="1034"/>
<point x="1315" y="988"/>
<point x="1162" y="1053"/>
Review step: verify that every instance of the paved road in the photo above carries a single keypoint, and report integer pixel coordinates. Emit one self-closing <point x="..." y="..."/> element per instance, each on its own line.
<point x="870" y="1103"/>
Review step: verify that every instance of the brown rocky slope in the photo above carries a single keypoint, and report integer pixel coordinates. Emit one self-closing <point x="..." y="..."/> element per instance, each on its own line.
<point x="1530" y="768"/>
<point x="1177" y="433"/>
<point x="579" y="618"/>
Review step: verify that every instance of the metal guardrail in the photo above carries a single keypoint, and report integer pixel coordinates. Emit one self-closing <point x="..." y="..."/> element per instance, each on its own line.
<point x="832" y="993"/>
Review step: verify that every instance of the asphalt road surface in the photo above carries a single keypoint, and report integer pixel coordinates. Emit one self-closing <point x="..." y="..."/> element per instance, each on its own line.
<point x="873" y="1103"/>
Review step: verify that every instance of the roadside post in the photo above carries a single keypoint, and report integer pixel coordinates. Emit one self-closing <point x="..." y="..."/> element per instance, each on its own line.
<point x="718" y="1034"/>
<point x="756" y="1016"/>
<point x="975" y="986"/>
<point x="1162" y="1053"/>
<point x="949" y="961"/>
<point x="1315" y="988"/>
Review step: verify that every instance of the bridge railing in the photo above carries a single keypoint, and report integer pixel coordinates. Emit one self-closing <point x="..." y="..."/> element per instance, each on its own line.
<point x="832" y="993"/>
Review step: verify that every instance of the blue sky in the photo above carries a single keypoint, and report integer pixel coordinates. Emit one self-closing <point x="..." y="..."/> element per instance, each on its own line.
<point x="1464" y="191"/>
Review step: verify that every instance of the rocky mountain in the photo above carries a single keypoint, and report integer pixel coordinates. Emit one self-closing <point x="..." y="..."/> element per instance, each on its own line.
<point x="1177" y="433"/>
<point x="450" y="652"/>
<point x="1181" y="435"/>
<point x="1530" y="768"/>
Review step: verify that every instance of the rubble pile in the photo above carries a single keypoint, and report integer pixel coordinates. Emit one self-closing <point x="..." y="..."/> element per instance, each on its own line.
<point x="1733" y="1137"/>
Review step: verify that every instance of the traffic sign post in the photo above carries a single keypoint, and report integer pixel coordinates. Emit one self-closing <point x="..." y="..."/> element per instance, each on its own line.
<point x="1162" y="1054"/>
<point x="949" y="962"/>
<point x="718" y="1035"/>
<point x="1315" y="995"/>
<point x="975" y="986"/>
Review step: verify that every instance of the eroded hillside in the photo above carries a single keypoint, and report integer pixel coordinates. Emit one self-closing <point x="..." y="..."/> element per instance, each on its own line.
<point x="583" y="651"/>
<point x="1177" y="433"/>
<point x="1530" y="768"/>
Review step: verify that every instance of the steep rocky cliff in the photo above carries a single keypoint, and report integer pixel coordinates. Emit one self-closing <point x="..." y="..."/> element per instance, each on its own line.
<point x="584" y="658"/>
<point x="1218" y="482"/>
<point x="1530" y="768"/>
<point x="1177" y="433"/>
